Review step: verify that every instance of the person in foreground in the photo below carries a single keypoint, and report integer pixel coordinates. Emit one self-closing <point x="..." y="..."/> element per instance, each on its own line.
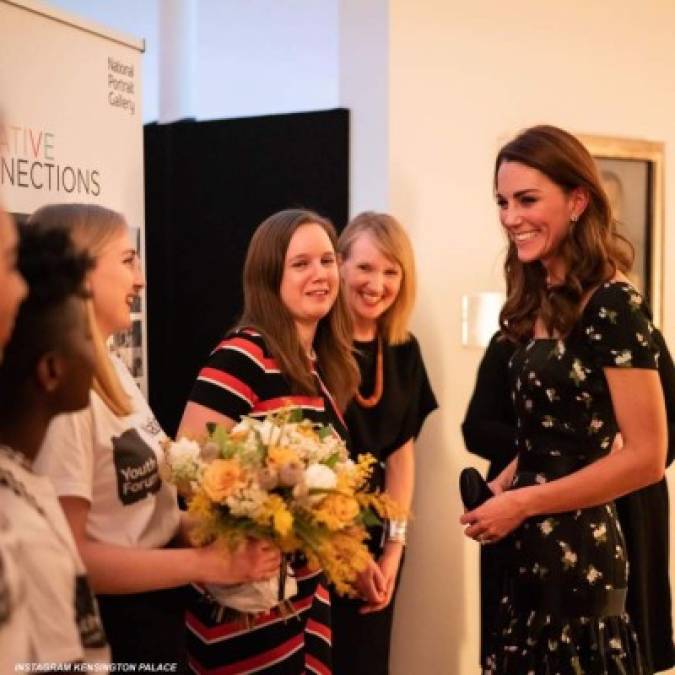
<point x="13" y="612"/>
<point x="384" y="418"/>
<point x="585" y="369"/>
<point x="291" y="348"/>
<point x="105" y="463"/>
<point x="47" y="370"/>
<point x="13" y="288"/>
<point x="489" y="430"/>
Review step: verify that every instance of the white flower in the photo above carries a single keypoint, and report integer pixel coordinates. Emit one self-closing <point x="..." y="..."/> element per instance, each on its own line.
<point x="246" y="501"/>
<point x="565" y="635"/>
<point x="183" y="458"/>
<point x="269" y="433"/>
<point x="623" y="357"/>
<point x="547" y="526"/>
<point x="182" y="451"/>
<point x="570" y="558"/>
<point x="593" y="574"/>
<point x="243" y="426"/>
<point x="595" y="425"/>
<point x="320" y="477"/>
<point x="578" y="372"/>
<point x="600" y="533"/>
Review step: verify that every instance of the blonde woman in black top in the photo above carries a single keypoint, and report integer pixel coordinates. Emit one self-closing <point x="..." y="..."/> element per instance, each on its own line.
<point x="385" y="417"/>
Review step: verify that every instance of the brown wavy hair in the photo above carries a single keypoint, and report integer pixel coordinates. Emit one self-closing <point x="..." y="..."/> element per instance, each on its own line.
<point x="265" y="311"/>
<point x="592" y="251"/>
<point x="394" y="243"/>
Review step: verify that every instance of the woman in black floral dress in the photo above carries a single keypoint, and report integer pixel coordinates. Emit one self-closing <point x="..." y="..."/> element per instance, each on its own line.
<point x="584" y="371"/>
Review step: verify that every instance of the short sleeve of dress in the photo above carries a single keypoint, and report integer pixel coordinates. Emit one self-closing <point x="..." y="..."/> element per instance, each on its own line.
<point x="420" y="396"/>
<point x="228" y="381"/>
<point x="618" y="328"/>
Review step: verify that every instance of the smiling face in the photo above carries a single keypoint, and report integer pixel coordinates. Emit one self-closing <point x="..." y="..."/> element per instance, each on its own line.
<point x="371" y="281"/>
<point x="535" y="211"/>
<point x="115" y="282"/>
<point x="14" y="288"/>
<point x="310" y="281"/>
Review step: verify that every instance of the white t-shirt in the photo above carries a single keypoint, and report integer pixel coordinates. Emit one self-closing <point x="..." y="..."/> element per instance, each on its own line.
<point x="14" y="621"/>
<point x="114" y="463"/>
<point x="56" y="607"/>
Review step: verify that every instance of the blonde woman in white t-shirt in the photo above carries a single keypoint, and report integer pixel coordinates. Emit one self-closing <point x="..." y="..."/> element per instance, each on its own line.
<point x="105" y="463"/>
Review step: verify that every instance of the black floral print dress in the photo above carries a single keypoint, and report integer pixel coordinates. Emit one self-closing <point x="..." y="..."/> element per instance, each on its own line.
<point x="563" y="608"/>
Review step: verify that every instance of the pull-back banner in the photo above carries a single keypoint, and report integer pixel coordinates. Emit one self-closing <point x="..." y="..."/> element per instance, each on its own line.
<point x="70" y="95"/>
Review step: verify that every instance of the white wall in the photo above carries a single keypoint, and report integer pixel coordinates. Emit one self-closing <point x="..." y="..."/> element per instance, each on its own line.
<point x="463" y="78"/>
<point x="253" y="57"/>
<point x="364" y="90"/>
<point x="262" y="57"/>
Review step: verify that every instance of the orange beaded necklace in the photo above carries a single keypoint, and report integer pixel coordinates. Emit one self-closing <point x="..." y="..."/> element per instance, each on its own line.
<point x="375" y="397"/>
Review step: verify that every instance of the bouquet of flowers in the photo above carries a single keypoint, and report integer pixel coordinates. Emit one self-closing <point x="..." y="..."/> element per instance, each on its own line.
<point x="286" y="479"/>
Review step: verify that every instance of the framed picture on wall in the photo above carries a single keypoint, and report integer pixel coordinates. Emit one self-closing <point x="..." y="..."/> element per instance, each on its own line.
<point x="632" y="175"/>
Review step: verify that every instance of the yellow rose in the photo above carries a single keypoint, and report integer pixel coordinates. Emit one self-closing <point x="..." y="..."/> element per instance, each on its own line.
<point x="221" y="477"/>
<point x="280" y="454"/>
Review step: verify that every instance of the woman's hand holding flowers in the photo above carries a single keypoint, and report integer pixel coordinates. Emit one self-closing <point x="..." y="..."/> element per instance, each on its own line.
<point x="251" y="560"/>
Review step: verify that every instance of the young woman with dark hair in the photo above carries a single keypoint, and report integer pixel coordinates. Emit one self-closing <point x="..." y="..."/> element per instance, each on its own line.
<point x="291" y="348"/>
<point x="47" y="371"/>
<point x="584" y="369"/>
<point x="13" y="288"/>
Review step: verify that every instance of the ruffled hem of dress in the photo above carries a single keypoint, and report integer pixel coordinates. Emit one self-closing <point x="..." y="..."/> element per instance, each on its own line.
<point x="545" y="645"/>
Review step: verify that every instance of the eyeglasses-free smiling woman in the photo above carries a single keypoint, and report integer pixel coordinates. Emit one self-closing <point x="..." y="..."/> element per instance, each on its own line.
<point x="584" y="370"/>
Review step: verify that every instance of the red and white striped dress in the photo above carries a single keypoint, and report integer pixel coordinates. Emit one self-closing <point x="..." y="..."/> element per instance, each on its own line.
<point x="241" y="378"/>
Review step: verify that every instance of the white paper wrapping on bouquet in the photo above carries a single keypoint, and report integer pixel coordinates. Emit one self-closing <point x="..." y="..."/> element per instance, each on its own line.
<point x="256" y="596"/>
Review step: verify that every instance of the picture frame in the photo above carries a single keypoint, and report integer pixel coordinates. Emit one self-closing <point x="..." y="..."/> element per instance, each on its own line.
<point x="632" y="174"/>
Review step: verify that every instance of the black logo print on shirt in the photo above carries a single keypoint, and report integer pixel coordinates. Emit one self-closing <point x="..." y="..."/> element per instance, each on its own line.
<point x="136" y="467"/>
<point x="88" y="620"/>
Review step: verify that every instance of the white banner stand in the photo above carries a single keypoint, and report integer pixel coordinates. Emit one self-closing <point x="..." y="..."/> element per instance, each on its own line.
<point x="70" y="95"/>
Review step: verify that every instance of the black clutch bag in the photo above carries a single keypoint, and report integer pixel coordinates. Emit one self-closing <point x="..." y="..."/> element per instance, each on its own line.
<point x="473" y="488"/>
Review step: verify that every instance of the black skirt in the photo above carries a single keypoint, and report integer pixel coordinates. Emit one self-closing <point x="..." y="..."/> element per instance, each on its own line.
<point x="146" y="627"/>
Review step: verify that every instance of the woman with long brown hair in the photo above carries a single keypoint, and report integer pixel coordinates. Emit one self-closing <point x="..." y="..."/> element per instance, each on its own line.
<point x="291" y="348"/>
<point x="584" y="370"/>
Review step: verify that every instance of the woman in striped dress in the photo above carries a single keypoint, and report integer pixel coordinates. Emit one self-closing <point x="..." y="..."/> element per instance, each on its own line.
<point x="292" y="348"/>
